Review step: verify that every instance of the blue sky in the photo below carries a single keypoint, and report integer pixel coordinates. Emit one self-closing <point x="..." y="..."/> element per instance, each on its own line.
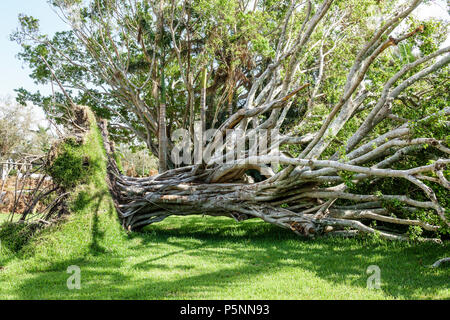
<point x="13" y="73"/>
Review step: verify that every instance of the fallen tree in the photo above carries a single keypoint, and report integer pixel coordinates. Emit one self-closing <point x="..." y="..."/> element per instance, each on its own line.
<point x="364" y="138"/>
<point x="293" y="199"/>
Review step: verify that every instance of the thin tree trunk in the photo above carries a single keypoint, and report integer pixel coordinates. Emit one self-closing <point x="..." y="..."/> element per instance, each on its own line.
<point x="162" y="138"/>
<point x="162" y="130"/>
<point x="203" y="100"/>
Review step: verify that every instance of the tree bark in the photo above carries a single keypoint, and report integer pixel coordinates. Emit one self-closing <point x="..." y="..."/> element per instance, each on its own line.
<point x="300" y="206"/>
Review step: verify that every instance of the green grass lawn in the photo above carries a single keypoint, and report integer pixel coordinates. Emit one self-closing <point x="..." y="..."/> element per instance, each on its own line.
<point x="200" y="257"/>
<point x="5" y="216"/>
<point x="216" y="258"/>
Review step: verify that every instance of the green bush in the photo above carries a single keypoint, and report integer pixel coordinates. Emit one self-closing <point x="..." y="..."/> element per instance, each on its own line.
<point x="69" y="168"/>
<point x="14" y="236"/>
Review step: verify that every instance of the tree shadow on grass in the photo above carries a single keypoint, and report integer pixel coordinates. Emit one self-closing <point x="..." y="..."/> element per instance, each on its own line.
<point x="93" y="202"/>
<point x="404" y="267"/>
<point x="244" y="251"/>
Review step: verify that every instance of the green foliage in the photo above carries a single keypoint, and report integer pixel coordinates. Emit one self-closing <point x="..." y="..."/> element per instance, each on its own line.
<point x="375" y="237"/>
<point x="135" y="158"/>
<point x="433" y="32"/>
<point x="347" y="177"/>
<point x="78" y="162"/>
<point x="434" y="126"/>
<point x="14" y="236"/>
<point x="415" y="232"/>
<point x="70" y="166"/>
<point x="394" y="206"/>
<point x="17" y="131"/>
<point x="118" y="161"/>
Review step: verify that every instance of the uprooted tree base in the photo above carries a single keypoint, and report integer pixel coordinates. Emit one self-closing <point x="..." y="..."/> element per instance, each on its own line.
<point x="45" y="200"/>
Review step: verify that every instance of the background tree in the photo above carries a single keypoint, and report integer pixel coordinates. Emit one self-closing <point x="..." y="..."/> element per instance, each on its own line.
<point x="20" y="132"/>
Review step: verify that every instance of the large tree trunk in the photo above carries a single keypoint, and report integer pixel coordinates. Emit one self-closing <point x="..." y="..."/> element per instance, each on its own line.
<point x="308" y="193"/>
<point x="295" y="204"/>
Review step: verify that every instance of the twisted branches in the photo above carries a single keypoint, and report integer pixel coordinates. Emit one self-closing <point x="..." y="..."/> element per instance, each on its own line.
<point x="313" y="192"/>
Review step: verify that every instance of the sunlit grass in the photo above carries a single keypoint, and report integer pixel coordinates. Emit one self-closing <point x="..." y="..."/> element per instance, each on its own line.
<point x="5" y="216"/>
<point x="202" y="258"/>
<point x="215" y="258"/>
